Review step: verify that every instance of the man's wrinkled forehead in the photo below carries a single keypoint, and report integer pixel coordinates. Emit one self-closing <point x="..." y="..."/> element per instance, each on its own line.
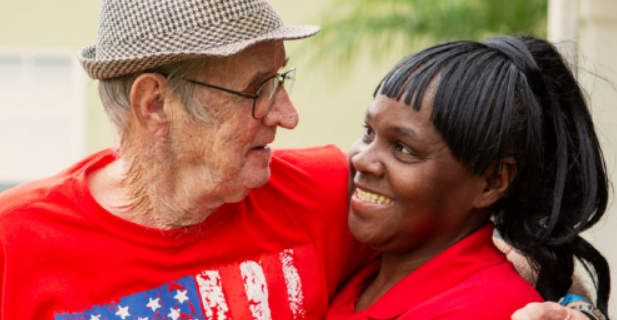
<point x="258" y="61"/>
<point x="266" y="59"/>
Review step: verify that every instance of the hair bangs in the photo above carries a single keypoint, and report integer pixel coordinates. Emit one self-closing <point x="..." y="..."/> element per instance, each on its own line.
<point x="475" y="99"/>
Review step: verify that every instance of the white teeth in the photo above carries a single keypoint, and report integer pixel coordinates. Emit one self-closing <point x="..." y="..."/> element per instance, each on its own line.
<point x="372" y="197"/>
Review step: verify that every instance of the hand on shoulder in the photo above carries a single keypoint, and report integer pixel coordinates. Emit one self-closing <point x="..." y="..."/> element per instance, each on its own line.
<point x="548" y="311"/>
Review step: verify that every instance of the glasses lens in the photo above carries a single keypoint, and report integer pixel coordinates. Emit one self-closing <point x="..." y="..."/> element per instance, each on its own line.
<point x="290" y="79"/>
<point x="265" y="98"/>
<point x="269" y="91"/>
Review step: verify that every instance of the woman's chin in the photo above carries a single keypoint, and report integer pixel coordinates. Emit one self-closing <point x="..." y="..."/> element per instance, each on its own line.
<point x="363" y="230"/>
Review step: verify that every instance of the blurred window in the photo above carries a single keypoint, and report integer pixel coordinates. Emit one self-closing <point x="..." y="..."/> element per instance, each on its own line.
<point x="42" y="113"/>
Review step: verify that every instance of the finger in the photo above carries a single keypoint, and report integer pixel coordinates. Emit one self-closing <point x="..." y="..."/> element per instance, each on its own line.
<point x="545" y="311"/>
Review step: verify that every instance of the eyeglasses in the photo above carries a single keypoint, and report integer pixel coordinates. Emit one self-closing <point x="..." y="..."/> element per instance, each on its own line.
<point x="266" y="93"/>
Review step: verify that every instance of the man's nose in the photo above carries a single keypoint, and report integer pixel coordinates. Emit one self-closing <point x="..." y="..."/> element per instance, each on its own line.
<point x="282" y="113"/>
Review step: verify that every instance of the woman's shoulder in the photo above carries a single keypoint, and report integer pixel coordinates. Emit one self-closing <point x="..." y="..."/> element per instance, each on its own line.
<point x="505" y="292"/>
<point x="494" y="293"/>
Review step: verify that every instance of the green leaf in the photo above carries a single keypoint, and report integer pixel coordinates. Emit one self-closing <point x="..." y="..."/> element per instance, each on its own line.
<point x="381" y="27"/>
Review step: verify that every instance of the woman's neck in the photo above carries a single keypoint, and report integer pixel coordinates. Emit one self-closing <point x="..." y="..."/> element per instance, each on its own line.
<point x="395" y="267"/>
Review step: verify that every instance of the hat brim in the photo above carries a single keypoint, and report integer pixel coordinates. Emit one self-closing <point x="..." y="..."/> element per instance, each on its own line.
<point x="115" y="67"/>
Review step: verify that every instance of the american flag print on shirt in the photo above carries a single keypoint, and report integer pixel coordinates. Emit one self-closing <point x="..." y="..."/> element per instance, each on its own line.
<point x="275" y="286"/>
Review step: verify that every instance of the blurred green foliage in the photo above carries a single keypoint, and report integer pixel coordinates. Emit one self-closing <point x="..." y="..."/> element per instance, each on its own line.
<point x="385" y="27"/>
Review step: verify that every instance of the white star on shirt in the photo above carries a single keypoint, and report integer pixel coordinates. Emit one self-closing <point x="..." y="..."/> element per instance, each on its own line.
<point x="140" y="318"/>
<point x="93" y="317"/>
<point x="153" y="304"/>
<point x="175" y="314"/>
<point x="181" y="296"/>
<point x="123" y="312"/>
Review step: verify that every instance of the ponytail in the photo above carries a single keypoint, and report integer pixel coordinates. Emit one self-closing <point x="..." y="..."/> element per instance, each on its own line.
<point x="570" y="192"/>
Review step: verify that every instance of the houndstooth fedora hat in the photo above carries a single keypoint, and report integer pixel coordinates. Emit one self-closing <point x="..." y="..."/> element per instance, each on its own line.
<point x="136" y="35"/>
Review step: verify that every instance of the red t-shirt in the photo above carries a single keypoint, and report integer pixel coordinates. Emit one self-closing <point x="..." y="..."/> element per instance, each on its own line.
<point x="280" y="253"/>
<point x="469" y="280"/>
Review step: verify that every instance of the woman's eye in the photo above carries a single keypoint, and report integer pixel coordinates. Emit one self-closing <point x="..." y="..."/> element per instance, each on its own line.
<point x="368" y="132"/>
<point x="403" y="149"/>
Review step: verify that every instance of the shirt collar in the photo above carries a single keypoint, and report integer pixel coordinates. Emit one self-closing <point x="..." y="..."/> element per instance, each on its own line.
<point x="442" y="272"/>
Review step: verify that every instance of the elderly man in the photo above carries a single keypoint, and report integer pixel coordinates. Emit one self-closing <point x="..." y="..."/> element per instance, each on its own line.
<point x="193" y="216"/>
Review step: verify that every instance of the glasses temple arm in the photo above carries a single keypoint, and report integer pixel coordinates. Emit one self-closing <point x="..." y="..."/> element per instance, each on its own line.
<point x="247" y="95"/>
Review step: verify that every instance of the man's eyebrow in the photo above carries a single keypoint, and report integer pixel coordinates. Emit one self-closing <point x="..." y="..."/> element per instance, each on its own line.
<point x="258" y="79"/>
<point x="368" y="115"/>
<point x="263" y="75"/>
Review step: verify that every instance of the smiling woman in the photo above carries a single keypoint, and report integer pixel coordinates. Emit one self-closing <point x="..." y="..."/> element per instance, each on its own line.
<point x="457" y="134"/>
<point x="433" y="199"/>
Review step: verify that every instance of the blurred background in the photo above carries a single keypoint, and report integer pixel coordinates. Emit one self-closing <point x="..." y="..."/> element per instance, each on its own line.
<point x="51" y="115"/>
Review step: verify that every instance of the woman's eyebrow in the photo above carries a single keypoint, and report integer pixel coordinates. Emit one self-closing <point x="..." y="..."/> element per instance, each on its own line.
<point x="405" y="131"/>
<point x="409" y="133"/>
<point x="401" y="130"/>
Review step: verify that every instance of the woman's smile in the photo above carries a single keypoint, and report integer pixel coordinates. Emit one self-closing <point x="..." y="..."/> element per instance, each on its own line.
<point x="372" y="197"/>
<point x="370" y="205"/>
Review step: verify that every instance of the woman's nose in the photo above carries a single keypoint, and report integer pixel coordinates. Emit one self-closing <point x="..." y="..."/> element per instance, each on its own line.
<point x="367" y="159"/>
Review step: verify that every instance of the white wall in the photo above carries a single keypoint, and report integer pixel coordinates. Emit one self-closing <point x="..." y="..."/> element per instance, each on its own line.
<point x="42" y="115"/>
<point x="591" y="26"/>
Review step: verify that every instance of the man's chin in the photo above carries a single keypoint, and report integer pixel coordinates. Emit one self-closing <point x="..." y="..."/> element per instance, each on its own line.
<point x="236" y="197"/>
<point x="259" y="178"/>
<point x="256" y="171"/>
<point x="252" y="180"/>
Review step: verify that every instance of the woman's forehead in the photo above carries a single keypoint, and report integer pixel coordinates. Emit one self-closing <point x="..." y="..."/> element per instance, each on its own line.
<point x="383" y="103"/>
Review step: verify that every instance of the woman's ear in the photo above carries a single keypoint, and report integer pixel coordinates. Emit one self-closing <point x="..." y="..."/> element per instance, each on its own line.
<point x="496" y="186"/>
<point x="148" y="101"/>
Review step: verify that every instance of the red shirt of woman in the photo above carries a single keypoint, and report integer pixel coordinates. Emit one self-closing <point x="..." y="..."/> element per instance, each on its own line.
<point x="469" y="280"/>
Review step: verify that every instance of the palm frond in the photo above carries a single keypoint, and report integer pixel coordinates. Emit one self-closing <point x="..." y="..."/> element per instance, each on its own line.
<point x="351" y="27"/>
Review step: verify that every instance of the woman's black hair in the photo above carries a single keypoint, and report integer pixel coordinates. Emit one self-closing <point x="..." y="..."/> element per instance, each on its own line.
<point x="516" y="97"/>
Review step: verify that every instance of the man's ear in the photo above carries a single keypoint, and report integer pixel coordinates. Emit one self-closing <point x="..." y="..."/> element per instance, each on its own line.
<point x="496" y="186"/>
<point x="148" y="101"/>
